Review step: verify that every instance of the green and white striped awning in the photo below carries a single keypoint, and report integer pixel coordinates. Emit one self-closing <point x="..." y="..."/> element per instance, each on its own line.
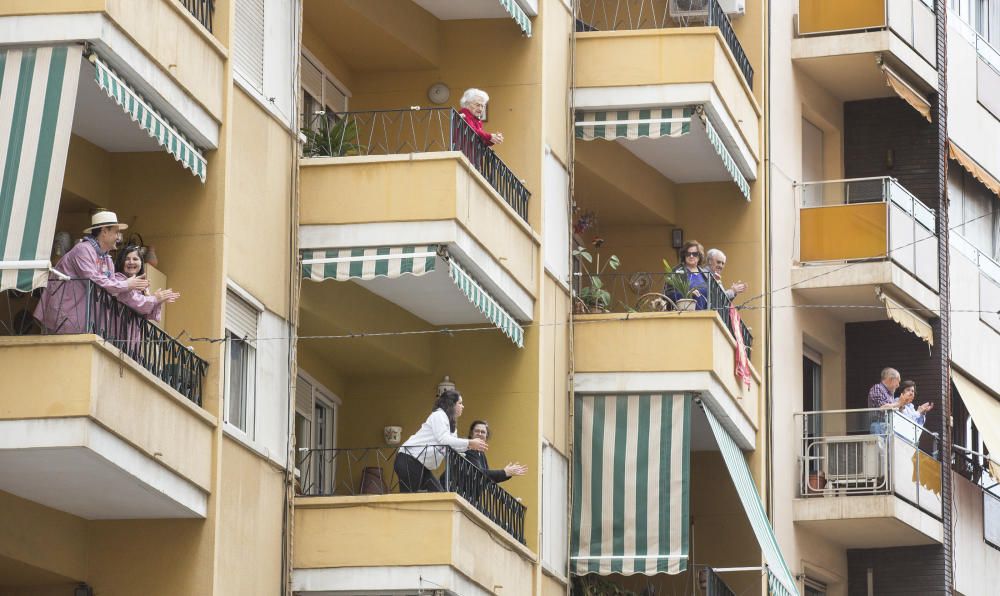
<point x="727" y="159"/>
<point x="149" y="119"/>
<point x="519" y="16"/>
<point x="37" y="97"/>
<point x="343" y="264"/>
<point x="780" y="580"/>
<point x="652" y="123"/>
<point x="631" y="484"/>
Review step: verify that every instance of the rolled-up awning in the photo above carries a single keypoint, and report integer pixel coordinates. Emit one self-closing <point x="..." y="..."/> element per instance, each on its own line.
<point x="519" y="16"/>
<point x="906" y="318"/>
<point x="391" y="262"/>
<point x="149" y="119"/>
<point x="780" y="580"/>
<point x="37" y="98"/>
<point x="985" y="412"/>
<point x="727" y="159"/>
<point x="971" y="166"/>
<point x="631" y="484"/>
<point x="907" y="93"/>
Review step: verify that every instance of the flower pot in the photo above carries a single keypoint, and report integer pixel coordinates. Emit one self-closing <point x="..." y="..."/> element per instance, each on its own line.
<point x="817" y="482"/>
<point x="687" y="304"/>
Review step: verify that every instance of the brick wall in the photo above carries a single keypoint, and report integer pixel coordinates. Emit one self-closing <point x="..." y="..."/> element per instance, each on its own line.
<point x="873" y="127"/>
<point x="910" y="571"/>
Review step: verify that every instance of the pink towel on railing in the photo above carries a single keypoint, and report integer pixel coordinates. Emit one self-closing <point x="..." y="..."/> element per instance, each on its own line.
<point x="742" y="363"/>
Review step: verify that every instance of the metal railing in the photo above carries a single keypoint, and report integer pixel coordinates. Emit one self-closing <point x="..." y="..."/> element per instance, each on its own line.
<point x="645" y="291"/>
<point x="628" y="15"/>
<point x="414" y="130"/>
<point x="203" y="10"/>
<point x="81" y="306"/>
<point x="869" y="452"/>
<point x="371" y="470"/>
<point x="714" y="586"/>
<point x="908" y="226"/>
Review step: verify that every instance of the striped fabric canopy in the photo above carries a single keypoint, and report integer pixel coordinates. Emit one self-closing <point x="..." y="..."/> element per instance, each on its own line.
<point x="37" y="98"/>
<point x="486" y="304"/>
<point x="780" y="580"/>
<point x="631" y="484"/>
<point x="727" y="160"/>
<point x="343" y="264"/>
<point x="150" y="120"/>
<point x="519" y="16"/>
<point x="652" y="123"/>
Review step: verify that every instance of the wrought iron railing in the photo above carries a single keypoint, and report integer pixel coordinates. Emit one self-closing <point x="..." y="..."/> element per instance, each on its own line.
<point x="81" y="306"/>
<point x="869" y="452"/>
<point x="415" y="130"/>
<point x="624" y="15"/>
<point x="203" y="10"/>
<point x="371" y="470"/>
<point x="645" y="291"/>
<point x="714" y="586"/>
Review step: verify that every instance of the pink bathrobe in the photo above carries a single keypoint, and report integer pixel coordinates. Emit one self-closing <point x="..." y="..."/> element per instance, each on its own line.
<point x="140" y="301"/>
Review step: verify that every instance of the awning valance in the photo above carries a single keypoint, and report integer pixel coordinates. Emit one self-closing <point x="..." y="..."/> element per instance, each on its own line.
<point x="906" y="318"/>
<point x="978" y="172"/>
<point x="985" y="412"/>
<point x="519" y="16"/>
<point x="365" y="264"/>
<point x="149" y="119"/>
<point x="780" y="580"/>
<point x="727" y="159"/>
<point x="907" y="93"/>
<point x="37" y="98"/>
<point x="631" y="484"/>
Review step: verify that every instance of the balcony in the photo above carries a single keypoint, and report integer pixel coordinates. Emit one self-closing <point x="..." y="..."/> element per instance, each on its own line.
<point x="862" y="239"/>
<point x="868" y="479"/>
<point x="852" y="47"/>
<point x="356" y="531"/>
<point x="626" y="91"/>
<point x="85" y="442"/>
<point x="643" y="347"/>
<point x="420" y="178"/>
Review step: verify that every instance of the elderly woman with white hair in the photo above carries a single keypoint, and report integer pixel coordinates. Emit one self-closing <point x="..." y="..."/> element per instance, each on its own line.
<point x="473" y="105"/>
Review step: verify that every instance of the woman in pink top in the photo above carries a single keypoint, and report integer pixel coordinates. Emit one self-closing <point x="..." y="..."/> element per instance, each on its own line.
<point x="130" y="264"/>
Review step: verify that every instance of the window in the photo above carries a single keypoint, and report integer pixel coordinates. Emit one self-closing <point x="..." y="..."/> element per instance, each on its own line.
<point x="813" y="587"/>
<point x="971" y="213"/>
<point x="555" y="184"/>
<point x="812" y="394"/>
<point x="248" y="43"/>
<point x="322" y="95"/>
<point x="241" y="362"/>
<point x="315" y="431"/>
<point x="812" y="163"/>
<point x="263" y="51"/>
<point x="555" y="477"/>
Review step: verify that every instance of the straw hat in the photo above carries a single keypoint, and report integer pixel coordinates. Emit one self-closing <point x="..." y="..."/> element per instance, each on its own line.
<point x="105" y="218"/>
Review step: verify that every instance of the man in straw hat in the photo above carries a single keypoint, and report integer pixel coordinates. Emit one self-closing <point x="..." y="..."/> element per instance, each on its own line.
<point x="64" y="304"/>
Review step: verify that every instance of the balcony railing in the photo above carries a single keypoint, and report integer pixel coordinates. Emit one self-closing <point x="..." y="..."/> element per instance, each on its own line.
<point x="648" y="292"/>
<point x="203" y="10"/>
<point x="81" y="306"/>
<point x="370" y="471"/>
<point x="868" y="219"/>
<point x="416" y="130"/>
<point x="629" y="15"/>
<point x="869" y="452"/>
<point x="913" y="21"/>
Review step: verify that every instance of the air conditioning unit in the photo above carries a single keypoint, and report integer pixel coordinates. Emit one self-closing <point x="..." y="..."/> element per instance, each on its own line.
<point x="854" y="461"/>
<point x="698" y="9"/>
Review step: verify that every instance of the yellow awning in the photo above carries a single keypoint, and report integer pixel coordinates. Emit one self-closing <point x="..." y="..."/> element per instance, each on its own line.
<point x="977" y="171"/>
<point x="906" y="318"/>
<point x="907" y="93"/>
<point x="985" y="412"/>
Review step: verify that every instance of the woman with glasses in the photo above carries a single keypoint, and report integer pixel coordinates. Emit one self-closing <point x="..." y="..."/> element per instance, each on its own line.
<point x="692" y="265"/>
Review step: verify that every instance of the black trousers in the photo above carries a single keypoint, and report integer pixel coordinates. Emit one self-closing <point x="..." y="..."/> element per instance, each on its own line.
<point x="413" y="476"/>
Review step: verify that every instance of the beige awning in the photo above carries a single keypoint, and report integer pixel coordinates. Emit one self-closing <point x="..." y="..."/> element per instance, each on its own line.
<point x="978" y="172"/>
<point x="985" y="412"/>
<point x="907" y="93"/>
<point x="906" y="318"/>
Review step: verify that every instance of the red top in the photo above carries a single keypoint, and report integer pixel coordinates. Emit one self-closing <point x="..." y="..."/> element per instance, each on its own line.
<point x="477" y="125"/>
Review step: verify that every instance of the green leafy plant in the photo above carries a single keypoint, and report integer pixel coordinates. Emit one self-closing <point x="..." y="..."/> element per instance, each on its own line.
<point x="678" y="281"/>
<point x="331" y="138"/>
<point x="593" y="295"/>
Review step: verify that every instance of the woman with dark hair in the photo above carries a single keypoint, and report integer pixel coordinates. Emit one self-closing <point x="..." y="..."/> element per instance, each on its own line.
<point x="130" y="264"/>
<point x="424" y="451"/>
<point x="480" y="429"/>
<point x="693" y="266"/>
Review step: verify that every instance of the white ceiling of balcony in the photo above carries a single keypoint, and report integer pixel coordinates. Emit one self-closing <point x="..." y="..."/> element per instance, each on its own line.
<point x="102" y="122"/>
<point x="449" y="10"/>
<point x="684" y="160"/>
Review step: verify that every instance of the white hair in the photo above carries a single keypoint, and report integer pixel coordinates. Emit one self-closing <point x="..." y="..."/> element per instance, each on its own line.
<point x="889" y="373"/>
<point x="714" y="253"/>
<point x="472" y="94"/>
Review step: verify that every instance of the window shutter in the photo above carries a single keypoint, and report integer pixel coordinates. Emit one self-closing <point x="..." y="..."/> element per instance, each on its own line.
<point x="241" y="316"/>
<point x="304" y="397"/>
<point x="248" y="42"/>
<point x="312" y="78"/>
<point x="334" y="98"/>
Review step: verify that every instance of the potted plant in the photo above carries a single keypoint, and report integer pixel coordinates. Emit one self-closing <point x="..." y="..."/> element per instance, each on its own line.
<point x="330" y="138"/>
<point x="593" y="298"/>
<point x="679" y="282"/>
<point x="592" y="585"/>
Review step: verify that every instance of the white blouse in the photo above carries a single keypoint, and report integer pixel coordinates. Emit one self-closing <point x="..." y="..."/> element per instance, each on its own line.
<point x="436" y="430"/>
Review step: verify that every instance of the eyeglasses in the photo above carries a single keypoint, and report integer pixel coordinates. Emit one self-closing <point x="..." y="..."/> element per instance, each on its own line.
<point x="692" y="254"/>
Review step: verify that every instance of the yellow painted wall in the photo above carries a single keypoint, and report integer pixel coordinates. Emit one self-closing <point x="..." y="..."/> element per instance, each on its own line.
<point x="314" y="41"/>
<point x="26" y="7"/>
<point x="42" y="537"/>
<point x="258" y="253"/>
<point x="555" y="28"/>
<point x="817" y="16"/>
<point x="843" y="232"/>
<point x="250" y="524"/>
<point x="609" y="176"/>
